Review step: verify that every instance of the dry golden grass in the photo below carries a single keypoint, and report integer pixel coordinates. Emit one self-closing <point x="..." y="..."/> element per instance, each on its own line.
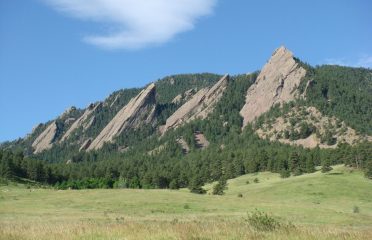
<point x="202" y="229"/>
<point x="319" y="206"/>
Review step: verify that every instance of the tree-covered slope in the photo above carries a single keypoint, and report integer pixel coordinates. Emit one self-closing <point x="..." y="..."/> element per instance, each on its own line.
<point x="343" y="92"/>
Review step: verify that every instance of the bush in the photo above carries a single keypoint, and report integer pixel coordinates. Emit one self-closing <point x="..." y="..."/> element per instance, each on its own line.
<point x="285" y="173"/>
<point x="256" y="180"/>
<point x="261" y="221"/>
<point x="355" y="209"/>
<point x="326" y="168"/>
<point x="240" y="195"/>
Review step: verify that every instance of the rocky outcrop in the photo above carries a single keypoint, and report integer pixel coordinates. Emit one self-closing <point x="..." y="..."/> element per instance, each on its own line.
<point x="199" y="106"/>
<point x="308" y="127"/>
<point x="185" y="147"/>
<point x="85" y="144"/>
<point x="277" y="83"/>
<point x="201" y="140"/>
<point x="184" y="97"/>
<point x="81" y="120"/>
<point x="139" y="110"/>
<point x="177" y="99"/>
<point x="45" y="139"/>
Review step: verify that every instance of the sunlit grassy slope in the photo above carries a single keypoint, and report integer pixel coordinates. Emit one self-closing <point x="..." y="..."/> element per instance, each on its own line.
<point x="322" y="205"/>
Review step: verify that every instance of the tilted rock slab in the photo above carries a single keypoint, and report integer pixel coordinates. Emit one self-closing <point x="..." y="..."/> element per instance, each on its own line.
<point x="139" y="110"/>
<point x="80" y="121"/>
<point x="199" y="106"/>
<point x="277" y="83"/>
<point x="45" y="140"/>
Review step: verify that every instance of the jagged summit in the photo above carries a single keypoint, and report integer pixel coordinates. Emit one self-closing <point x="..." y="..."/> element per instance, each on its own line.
<point x="45" y="140"/>
<point x="276" y="83"/>
<point x="82" y="121"/>
<point x="139" y="110"/>
<point x="199" y="106"/>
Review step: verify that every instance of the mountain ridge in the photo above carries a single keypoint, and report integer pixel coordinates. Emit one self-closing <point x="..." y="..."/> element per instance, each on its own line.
<point x="283" y="79"/>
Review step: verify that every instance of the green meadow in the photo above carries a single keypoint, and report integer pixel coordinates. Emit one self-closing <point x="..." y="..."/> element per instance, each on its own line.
<point x="334" y="205"/>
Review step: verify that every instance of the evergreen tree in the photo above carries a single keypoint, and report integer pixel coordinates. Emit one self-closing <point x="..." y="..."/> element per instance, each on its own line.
<point x="220" y="187"/>
<point x="196" y="185"/>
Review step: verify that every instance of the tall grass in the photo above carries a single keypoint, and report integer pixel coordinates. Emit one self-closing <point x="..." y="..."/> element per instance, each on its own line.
<point x="169" y="230"/>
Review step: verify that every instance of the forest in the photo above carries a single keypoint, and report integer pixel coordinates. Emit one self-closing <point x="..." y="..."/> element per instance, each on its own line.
<point x="336" y="91"/>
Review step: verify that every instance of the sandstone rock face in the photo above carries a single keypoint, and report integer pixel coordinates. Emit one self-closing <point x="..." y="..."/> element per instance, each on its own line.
<point x="85" y="144"/>
<point x="139" y="110"/>
<point x="45" y="139"/>
<point x="201" y="140"/>
<point x="277" y="83"/>
<point x="199" y="106"/>
<point x="185" y="147"/>
<point x="177" y="99"/>
<point x="81" y="120"/>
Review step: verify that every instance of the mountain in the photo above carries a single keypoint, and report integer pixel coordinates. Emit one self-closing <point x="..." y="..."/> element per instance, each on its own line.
<point x="277" y="83"/>
<point x="188" y="129"/>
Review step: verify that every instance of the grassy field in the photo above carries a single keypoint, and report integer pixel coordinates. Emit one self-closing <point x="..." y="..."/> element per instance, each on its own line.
<point x="335" y="205"/>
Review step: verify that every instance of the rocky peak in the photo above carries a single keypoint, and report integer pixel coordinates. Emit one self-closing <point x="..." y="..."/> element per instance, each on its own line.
<point x="81" y="120"/>
<point x="277" y="83"/>
<point x="45" y="139"/>
<point x="139" y="110"/>
<point x="199" y="106"/>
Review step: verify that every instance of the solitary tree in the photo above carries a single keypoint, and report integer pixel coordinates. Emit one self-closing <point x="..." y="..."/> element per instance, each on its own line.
<point x="220" y="187"/>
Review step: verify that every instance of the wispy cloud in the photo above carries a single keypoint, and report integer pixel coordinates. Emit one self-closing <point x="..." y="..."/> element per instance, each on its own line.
<point x="363" y="61"/>
<point x="137" y="23"/>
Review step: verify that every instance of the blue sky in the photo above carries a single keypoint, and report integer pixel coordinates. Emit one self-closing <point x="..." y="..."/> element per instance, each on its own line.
<point x="59" y="53"/>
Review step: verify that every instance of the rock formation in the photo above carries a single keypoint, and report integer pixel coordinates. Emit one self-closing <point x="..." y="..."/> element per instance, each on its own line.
<point x="201" y="140"/>
<point x="276" y="129"/>
<point x="85" y="144"/>
<point x="199" y="106"/>
<point x="45" y="139"/>
<point x="80" y="121"/>
<point x="139" y="110"/>
<point x="276" y="83"/>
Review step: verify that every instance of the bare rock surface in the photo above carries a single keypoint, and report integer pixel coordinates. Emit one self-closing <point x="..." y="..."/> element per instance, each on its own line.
<point x="199" y="106"/>
<point x="201" y="140"/>
<point x="85" y="144"/>
<point x="177" y="99"/>
<point x="45" y="139"/>
<point x="277" y="83"/>
<point x="139" y="110"/>
<point x="80" y="121"/>
<point x="185" y="147"/>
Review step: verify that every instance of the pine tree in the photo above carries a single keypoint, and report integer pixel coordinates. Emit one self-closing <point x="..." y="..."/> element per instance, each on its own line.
<point x="310" y="166"/>
<point x="196" y="185"/>
<point x="220" y="187"/>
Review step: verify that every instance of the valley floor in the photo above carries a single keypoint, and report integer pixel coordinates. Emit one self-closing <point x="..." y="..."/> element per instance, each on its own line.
<point x="335" y="205"/>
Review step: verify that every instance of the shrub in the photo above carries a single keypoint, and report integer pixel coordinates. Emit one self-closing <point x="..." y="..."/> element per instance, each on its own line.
<point x="240" y="195"/>
<point x="355" y="209"/>
<point x="261" y="221"/>
<point x="186" y="206"/>
<point x="326" y="168"/>
<point x="285" y="173"/>
<point x="256" y="180"/>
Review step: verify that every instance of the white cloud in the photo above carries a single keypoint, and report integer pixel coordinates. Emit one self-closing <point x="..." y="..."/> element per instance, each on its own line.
<point x="363" y="61"/>
<point x="137" y="23"/>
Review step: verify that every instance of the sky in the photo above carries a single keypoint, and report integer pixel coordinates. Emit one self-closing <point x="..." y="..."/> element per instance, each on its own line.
<point x="60" y="53"/>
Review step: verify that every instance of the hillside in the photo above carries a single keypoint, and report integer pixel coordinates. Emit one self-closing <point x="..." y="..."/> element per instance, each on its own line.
<point x="334" y="205"/>
<point x="190" y="129"/>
